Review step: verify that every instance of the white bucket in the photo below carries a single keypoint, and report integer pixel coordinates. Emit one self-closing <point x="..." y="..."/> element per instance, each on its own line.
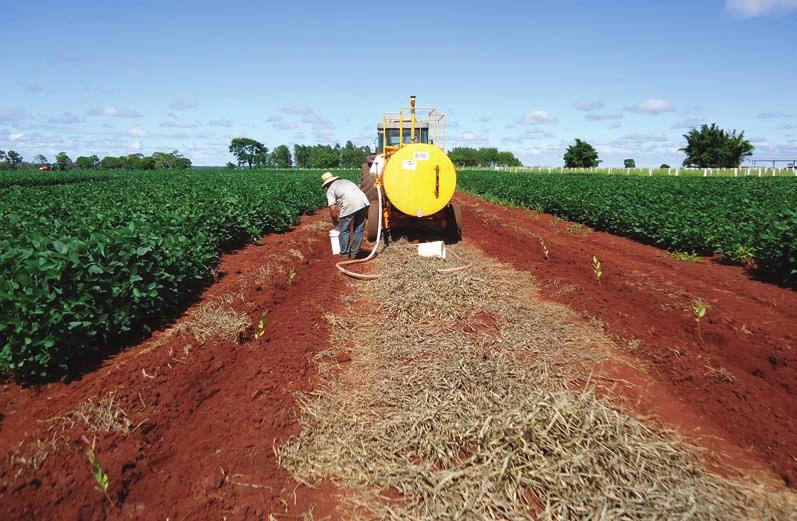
<point x="334" y="238"/>
<point x="436" y="249"/>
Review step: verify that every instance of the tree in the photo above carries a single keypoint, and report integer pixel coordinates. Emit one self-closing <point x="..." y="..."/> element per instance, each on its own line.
<point x="83" y="162"/>
<point x="111" y="162"/>
<point x="324" y="156"/>
<point x="353" y="157"/>
<point x="281" y="157"/>
<point x="664" y="166"/>
<point x="247" y="151"/>
<point x="713" y="147"/>
<point x="41" y="159"/>
<point x="13" y="158"/>
<point x="3" y="155"/>
<point x="230" y="165"/>
<point x="466" y="156"/>
<point x="581" y="155"/>
<point x="302" y="155"/>
<point x="62" y="161"/>
<point x="629" y="163"/>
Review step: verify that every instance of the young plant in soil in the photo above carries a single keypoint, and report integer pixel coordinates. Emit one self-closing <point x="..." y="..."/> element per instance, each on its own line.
<point x="100" y="476"/>
<point x="596" y="269"/>
<point x="261" y="326"/>
<point x="544" y="249"/>
<point x="699" y="311"/>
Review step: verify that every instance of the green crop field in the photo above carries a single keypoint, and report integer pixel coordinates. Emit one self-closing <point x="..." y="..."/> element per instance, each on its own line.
<point x="749" y="220"/>
<point x="88" y="256"/>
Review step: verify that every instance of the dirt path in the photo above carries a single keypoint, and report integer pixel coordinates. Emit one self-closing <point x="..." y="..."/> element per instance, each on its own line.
<point x="203" y="417"/>
<point x="738" y="383"/>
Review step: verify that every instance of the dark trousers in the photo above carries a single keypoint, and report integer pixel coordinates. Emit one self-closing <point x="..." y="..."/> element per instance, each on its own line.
<point x="351" y="228"/>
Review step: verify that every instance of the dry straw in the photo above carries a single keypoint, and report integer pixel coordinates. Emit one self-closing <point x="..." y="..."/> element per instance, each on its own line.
<point x="456" y="405"/>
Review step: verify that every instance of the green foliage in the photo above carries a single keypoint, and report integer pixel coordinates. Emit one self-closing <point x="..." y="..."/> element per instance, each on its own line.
<point x="87" y="162"/>
<point x="469" y="157"/>
<point x="749" y="220"/>
<point x="581" y="155"/>
<point x="629" y="163"/>
<point x="281" y="157"/>
<point x="353" y="157"/>
<point x="248" y="151"/>
<point x="41" y="159"/>
<point x="13" y="158"/>
<point x="713" y="147"/>
<point x="324" y="156"/>
<point x="62" y="161"/>
<point x="91" y="257"/>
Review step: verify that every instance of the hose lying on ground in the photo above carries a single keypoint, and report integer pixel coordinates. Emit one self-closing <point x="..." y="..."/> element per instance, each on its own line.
<point x="369" y="276"/>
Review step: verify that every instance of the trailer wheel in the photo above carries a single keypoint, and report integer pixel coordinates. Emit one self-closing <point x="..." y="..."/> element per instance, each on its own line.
<point x="454" y="222"/>
<point x="373" y="222"/>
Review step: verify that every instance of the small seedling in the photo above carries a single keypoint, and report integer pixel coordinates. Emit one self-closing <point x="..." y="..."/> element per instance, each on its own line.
<point x="100" y="476"/>
<point x="291" y="276"/>
<point x="596" y="268"/>
<point x="699" y="311"/>
<point x="544" y="249"/>
<point x="261" y="326"/>
<point x="684" y="256"/>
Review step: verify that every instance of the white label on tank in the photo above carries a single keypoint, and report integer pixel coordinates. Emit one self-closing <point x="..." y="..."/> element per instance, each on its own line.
<point x="421" y="156"/>
<point x="408" y="164"/>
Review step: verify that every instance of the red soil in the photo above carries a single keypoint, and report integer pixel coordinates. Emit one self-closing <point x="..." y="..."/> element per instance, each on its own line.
<point x="739" y="383"/>
<point x="205" y="421"/>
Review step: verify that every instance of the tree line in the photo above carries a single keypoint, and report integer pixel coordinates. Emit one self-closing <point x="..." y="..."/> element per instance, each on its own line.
<point x="251" y="153"/>
<point x="485" y="157"/>
<point x="157" y="161"/>
<point x="706" y="147"/>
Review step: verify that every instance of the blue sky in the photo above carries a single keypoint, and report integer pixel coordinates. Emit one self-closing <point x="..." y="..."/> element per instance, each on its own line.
<point x="630" y="77"/>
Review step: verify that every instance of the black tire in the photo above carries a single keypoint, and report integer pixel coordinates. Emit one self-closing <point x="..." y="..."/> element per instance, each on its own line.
<point x="372" y="223"/>
<point x="454" y="230"/>
<point x="367" y="181"/>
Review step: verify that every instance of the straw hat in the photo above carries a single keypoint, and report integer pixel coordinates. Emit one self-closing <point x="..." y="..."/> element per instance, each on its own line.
<point x="327" y="178"/>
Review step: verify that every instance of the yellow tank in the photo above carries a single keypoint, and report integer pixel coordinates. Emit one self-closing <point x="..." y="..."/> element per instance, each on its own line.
<point x="419" y="179"/>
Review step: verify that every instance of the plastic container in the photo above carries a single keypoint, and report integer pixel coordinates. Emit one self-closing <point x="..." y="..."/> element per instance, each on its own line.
<point x="436" y="249"/>
<point x="334" y="238"/>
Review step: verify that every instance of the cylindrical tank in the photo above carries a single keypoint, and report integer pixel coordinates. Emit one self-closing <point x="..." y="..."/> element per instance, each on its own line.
<point x="419" y="179"/>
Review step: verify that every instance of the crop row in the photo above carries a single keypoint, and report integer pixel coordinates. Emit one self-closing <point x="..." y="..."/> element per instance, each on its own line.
<point x="751" y="221"/>
<point x="88" y="260"/>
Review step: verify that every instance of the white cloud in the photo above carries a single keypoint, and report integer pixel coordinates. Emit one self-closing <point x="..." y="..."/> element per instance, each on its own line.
<point x="652" y="106"/>
<point x="644" y="137"/>
<point x="603" y="117"/>
<point x="138" y="132"/>
<point x="588" y="106"/>
<point x="772" y="115"/>
<point x="687" y="123"/>
<point x="298" y="109"/>
<point x="751" y="8"/>
<point x="110" y="111"/>
<point x="285" y="125"/>
<point x="220" y="123"/>
<point x="67" y="118"/>
<point x="180" y="123"/>
<point x="13" y="114"/>
<point x="183" y="104"/>
<point x="15" y="136"/>
<point x="537" y="117"/>
<point x="136" y="145"/>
